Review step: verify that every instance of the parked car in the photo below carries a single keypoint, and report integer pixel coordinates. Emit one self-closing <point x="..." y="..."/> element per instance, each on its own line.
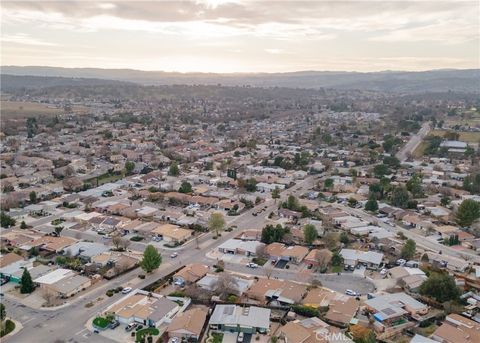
<point x="240" y="337"/>
<point x="130" y="327"/>
<point x="174" y="255"/>
<point x="126" y="290"/>
<point x="114" y="324"/>
<point x="352" y="293"/>
<point x="401" y="262"/>
<point x="383" y="271"/>
<point x="252" y="265"/>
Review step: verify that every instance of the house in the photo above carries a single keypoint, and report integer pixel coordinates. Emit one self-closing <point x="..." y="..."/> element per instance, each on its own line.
<point x="277" y="291"/>
<point x="240" y="286"/>
<point x="342" y="310"/>
<point x="235" y="318"/>
<point x="12" y="266"/>
<point x="188" y="325"/>
<point x="240" y="247"/>
<point x="172" y="233"/>
<point x="370" y="259"/>
<point x="281" y="252"/>
<point x="149" y="309"/>
<point x="320" y="297"/>
<point x="311" y="330"/>
<point x="289" y="214"/>
<point x="190" y="274"/>
<point x="86" y="250"/>
<point x="50" y="243"/>
<point x="457" y="329"/>
<point x="63" y="282"/>
<point x="391" y="310"/>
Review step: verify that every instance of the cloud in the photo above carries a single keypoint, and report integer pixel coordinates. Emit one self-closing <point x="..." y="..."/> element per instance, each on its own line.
<point x="25" y="39"/>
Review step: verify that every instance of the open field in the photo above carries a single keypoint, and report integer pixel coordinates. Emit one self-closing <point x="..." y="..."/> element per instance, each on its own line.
<point x="22" y="110"/>
<point x="465" y="136"/>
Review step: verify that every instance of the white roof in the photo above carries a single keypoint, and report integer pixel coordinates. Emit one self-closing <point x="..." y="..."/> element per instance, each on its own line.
<point x="362" y="256"/>
<point x="233" y="244"/>
<point x="54" y="276"/>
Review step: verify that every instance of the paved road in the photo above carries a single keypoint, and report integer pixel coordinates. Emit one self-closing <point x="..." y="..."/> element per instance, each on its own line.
<point x="68" y="323"/>
<point x="419" y="239"/>
<point x="413" y="143"/>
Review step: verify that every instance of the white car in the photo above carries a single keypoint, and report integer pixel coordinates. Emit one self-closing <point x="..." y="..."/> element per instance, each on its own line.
<point x="401" y="262"/>
<point x="352" y="293"/>
<point x="383" y="271"/>
<point x="252" y="265"/>
<point x="174" y="255"/>
<point x="126" y="290"/>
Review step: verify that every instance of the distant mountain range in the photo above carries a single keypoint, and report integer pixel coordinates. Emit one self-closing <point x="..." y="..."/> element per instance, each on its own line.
<point x="465" y="80"/>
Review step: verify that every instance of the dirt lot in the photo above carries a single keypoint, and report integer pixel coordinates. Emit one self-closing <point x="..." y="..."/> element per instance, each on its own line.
<point x="22" y="110"/>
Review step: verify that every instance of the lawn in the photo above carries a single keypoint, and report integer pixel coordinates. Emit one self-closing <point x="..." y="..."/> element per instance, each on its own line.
<point x="260" y="261"/>
<point x="465" y="136"/>
<point x="9" y="326"/>
<point x="336" y="269"/>
<point x="146" y="332"/>
<point x="101" y="322"/>
<point x="216" y="337"/>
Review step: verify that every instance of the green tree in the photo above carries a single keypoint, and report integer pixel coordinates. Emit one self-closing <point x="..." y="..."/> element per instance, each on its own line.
<point x="408" y="249"/>
<point x="129" y="167"/>
<point x="309" y="233"/>
<point x="400" y="197"/>
<point x="352" y="202"/>
<point x="441" y="287"/>
<point x="6" y="220"/>
<point x="186" y="187"/>
<point x="58" y="230"/>
<point x="414" y="185"/>
<point x="292" y="203"/>
<point x="276" y="194"/>
<point x="445" y="201"/>
<point x="381" y="170"/>
<point x="23" y="225"/>
<point x="468" y="212"/>
<point x="472" y="183"/>
<point x="151" y="259"/>
<point x="3" y="312"/>
<point x="337" y="259"/>
<point x="32" y="127"/>
<point x="173" y="170"/>
<point x="328" y="184"/>
<point x="251" y="185"/>
<point x="26" y="283"/>
<point x="33" y="197"/>
<point x="344" y="238"/>
<point x="272" y="233"/>
<point x="372" y="204"/>
<point x="376" y="190"/>
<point x="216" y="222"/>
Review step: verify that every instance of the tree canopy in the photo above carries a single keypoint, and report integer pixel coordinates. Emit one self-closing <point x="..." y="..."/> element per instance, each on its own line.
<point x="309" y="233"/>
<point x="272" y="233"/>
<point x="26" y="283"/>
<point x="216" y="222"/>
<point x="151" y="259"/>
<point x="468" y="212"/>
<point x="185" y="187"/>
<point x="441" y="287"/>
<point x="408" y="249"/>
<point x="173" y="170"/>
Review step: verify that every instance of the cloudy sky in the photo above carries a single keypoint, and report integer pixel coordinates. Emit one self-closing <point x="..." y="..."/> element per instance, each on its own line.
<point x="242" y="35"/>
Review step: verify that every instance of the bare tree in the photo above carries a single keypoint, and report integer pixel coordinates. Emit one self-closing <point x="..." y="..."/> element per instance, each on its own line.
<point x="268" y="271"/>
<point x="120" y="267"/>
<point x="49" y="297"/>
<point x="260" y="251"/>
<point x="323" y="258"/>
<point x="225" y="285"/>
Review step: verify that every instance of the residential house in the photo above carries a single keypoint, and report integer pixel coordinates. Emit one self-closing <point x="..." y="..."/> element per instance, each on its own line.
<point x="240" y="286"/>
<point x="276" y="291"/>
<point x="235" y="318"/>
<point x="146" y="308"/>
<point x="188" y="326"/>
<point x="172" y="233"/>
<point x="63" y="282"/>
<point x="370" y="259"/>
<point x="342" y="310"/>
<point x="240" y="247"/>
<point x="311" y="330"/>
<point x="190" y="274"/>
<point x="281" y="252"/>
<point x="391" y="310"/>
<point x="12" y="264"/>
<point x="457" y="329"/>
